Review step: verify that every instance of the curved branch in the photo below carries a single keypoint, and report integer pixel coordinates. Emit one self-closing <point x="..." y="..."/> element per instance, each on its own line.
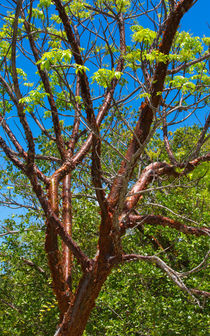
<point x="133" y="221"/>
<point x="197" y="268"/>
<point x="201" y="139"/>
<point x="8" y="90"/>
<point x="12" y="155"/>
<point x="147" y="109"/>
<point x="158" y="169"/>
<point x="12" y="137"/>
<point x="10" y="133"/>
<point x="148" y="174"/>
<point x="167" y="144"/>
<point x="173" y="275"/>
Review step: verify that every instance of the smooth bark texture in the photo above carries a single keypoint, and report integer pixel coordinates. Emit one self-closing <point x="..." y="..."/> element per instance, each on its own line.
<point x="117" y="202"/>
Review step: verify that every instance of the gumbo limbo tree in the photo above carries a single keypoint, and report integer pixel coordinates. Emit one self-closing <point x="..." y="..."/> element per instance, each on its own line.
<point x="93" y="95"/>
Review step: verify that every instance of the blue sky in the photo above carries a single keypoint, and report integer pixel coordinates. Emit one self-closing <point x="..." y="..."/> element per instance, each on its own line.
<point x="196" y="21"/>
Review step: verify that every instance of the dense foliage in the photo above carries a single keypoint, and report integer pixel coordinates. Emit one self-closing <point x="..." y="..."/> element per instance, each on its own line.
<point x="104" y="163"/>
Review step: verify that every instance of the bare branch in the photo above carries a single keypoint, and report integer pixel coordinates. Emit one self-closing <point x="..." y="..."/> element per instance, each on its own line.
<point x="20" y="107"/>
<point x="84" y="84"/>
<point x="11" y="155"/>
<point x="167" y="144"/>
<point x="11" y="305"/>
<point x="158" y="169"/>
<point x="200" y="292"/>
<point x="201" y="140"/>
<point x="12" y="137"/>
<point x="133" y="221"/>
<point x="173" y="275"/>
<point x="46" y="83"/>
<point x="187" y="65"/>
<point x="36" y="267"/>
<point x="197" y="268"/>
<point x="147" y="109"/>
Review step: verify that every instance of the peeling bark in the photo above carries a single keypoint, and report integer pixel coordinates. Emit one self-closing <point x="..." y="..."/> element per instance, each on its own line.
<point x="117" y="210"/>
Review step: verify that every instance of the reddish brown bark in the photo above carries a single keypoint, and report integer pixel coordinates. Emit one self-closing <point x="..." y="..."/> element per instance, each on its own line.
<point x="67" y="221"/>
<point x="75" y="319"/>
<point x="133" y="221"/>
<point x="149" y="173"/>
<point x="146" y="111"/>
<point x="155" y="169"/>
<point x="58" y="271"/>
<point x="116" y="210"/>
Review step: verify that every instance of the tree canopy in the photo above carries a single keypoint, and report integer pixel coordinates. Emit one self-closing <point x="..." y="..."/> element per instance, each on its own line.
<point x="104" y="148"/>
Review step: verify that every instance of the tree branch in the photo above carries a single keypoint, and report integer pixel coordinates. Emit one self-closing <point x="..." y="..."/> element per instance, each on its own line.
<point x="36" y="267"/>
<point x="167" y="144"/>
<point x="173" y="275"/>
<point x="83" y="80"/>
<point x="158" y="169"/>
<point x="197" y="268"/>
<point x="12" y="137"/>
<point x="148" y="174"/>
<point x="201" y="139"/>
<point x="187" y="65"/>
<point x="83" y="260"/>
<point x="71" y="163"/>
<point x="12" y="155"/>
<point x="200" y="292"/>
<point x="147" y="109"/>
<point x="133" y="220"/>
<point x="11" y="305"/>
<point x="20" y="106"/>
<point x="46" y="83"/>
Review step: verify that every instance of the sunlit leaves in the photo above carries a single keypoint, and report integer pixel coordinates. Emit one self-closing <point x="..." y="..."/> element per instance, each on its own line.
<point x="34" y="97"/>
<point x="28" y="84"/>
<point x="80" y="68"/>
<point x="155" y="55"/>
<point x="189" y="46"/>
<point x="21" y="73"/>
<point x="5" y="49"/>
<point x="79" y="9"/>
<point x="44" y="3"/>
<point x="183" y="83"/>
<point x="53" y="57"/>
<point x="142" y="34"/>
<point x="145" y="95"/>
<point x="38" y="13"/>
<point x="118" y="5"/>
<point x="206" y="40"/>
<point x="104" y="76"/>
<point x="123" y="5"/>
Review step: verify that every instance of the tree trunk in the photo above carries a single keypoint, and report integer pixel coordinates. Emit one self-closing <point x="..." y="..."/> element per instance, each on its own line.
<point x="76" y="317"/>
